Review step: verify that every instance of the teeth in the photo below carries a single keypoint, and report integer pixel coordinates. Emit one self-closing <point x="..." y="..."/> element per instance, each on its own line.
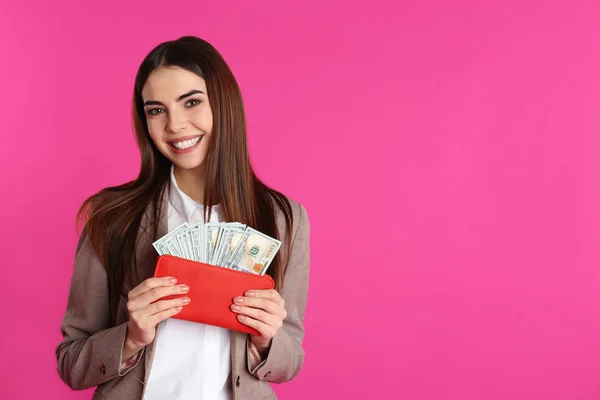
<point x="186" y="143"/>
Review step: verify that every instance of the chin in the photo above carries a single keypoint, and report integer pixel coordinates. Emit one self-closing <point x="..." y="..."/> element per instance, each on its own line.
<point x="188" y="164"/>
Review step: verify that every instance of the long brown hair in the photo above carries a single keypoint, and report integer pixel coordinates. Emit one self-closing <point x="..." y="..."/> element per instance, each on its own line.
<point x="113" y="215"/>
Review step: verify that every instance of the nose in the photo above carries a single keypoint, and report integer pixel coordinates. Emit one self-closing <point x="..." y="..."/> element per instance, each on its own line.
<point x="176" y="123"/>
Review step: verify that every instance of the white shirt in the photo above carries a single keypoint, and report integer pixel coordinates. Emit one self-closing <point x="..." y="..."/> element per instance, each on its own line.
<point x="191" y="360"/>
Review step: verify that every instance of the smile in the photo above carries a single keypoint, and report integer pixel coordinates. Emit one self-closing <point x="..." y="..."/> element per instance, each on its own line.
<point x="186" y="144"/>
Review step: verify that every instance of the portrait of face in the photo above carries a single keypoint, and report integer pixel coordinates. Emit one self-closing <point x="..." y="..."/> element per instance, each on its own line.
<point x="179" y="116"/>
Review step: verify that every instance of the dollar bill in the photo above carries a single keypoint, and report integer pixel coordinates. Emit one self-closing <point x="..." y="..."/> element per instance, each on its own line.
<point x="212" y="233"/>
<point x="231" y="246"/>
<point x="173" y="246"/>
<point x="182" y="241"/>
<point x="221" y="243"/>
<point x="201" y="243"/>
<point x="254" y="252"/>
<point x="197" y="242"/>
<point x="164" y="248"/>
<point x="193" y="241"/>
<point x="225" y="244"/>
<point x="159" y="249"/>
<point x="233" y="229"/>
<point x="163" y="244"/>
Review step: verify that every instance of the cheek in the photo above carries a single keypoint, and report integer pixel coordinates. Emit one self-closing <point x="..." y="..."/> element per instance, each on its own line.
<point x="202" y="119"/>
<point x="154" y="131"/>
<point x="158" y="143"/>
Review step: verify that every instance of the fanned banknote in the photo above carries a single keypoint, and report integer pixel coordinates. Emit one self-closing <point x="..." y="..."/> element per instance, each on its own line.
<point x="254" y="252"/>
<point x="229" y="244"/>
<point x="163" y="246"/>
<point x="212" y="233"/>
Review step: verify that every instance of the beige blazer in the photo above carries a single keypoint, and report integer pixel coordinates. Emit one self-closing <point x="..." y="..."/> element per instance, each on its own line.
<point x="90" y="353"/>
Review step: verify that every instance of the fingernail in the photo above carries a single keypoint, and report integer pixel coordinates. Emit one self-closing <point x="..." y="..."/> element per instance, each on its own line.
<point x="239" y="299"/>
<point x="172" y="280"/>
<point x="185" y="300"/>
<point x="179" y="308"/>
<point x="185" y="288"/>
<point x="250" y="293"/>
<point x="241" y="317"/>
<point x="236" y="308"/>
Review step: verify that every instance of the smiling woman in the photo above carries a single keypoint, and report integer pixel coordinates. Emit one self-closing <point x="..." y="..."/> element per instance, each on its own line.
<point x="190" y="127"/>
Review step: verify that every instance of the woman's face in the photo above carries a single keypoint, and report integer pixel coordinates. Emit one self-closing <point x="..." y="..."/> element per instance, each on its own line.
<point x="178" y="114"/>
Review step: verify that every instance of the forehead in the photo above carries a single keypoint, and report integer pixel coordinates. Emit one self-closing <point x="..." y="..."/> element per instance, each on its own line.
<point x="167" y="83"/>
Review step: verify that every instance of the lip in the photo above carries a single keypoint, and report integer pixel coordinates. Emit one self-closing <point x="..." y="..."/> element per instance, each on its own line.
<point x="189" y="149"/>
<point x="181" y="139"/>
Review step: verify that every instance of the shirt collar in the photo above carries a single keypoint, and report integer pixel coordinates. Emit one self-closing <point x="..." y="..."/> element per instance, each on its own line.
<point x="184" y="204"/>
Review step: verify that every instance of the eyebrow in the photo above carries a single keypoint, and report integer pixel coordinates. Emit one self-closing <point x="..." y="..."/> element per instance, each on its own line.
<point x="183" y="96"/>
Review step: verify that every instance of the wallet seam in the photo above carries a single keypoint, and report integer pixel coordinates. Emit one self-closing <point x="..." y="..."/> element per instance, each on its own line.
<point x="221" y="269"/>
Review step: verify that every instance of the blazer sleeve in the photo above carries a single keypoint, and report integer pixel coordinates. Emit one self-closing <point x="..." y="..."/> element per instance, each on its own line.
<point x="91" y="350"/>
<point x="286" y="355"/>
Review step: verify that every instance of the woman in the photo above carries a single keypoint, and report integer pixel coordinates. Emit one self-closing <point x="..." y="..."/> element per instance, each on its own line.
<point x="190" y="127"/>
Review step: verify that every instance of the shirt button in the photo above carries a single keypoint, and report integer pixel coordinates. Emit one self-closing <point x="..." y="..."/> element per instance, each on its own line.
<point x="237" y="381"/>
<point x="103" y="369"/>
<point x="267" y="374"/>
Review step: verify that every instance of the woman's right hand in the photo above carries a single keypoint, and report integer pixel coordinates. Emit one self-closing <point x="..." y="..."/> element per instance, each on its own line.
<point x="146" y="310"/>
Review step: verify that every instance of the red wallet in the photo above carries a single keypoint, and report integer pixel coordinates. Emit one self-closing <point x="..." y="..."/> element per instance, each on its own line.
<point x="212" y="290"/>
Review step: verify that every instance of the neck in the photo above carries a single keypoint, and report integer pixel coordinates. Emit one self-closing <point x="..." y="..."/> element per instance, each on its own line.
<point x="191" y="182"/>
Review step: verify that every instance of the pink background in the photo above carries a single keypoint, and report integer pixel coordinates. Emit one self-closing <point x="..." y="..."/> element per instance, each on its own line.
<point x="448" y="154"/>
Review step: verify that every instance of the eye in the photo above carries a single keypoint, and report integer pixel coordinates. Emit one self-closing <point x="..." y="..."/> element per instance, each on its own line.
<point x="154" y="111"/>
<point x="193" y="102"/>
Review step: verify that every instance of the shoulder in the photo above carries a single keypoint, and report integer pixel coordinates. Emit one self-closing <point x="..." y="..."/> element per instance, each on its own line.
<point x="297" y="212"/>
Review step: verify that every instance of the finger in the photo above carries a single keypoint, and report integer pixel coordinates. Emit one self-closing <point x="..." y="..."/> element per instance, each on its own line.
<point x="260" y="315"/>
<point x="163" y="305"/>
<point x="270" y="294"/>
<point x="265" y="330"/>
<point x="161" y="316"/>
<point x="155" y="294"/>
<point x="150" y="284"/>
<point x="147" y="315"/>
<point x="262" y="303"/>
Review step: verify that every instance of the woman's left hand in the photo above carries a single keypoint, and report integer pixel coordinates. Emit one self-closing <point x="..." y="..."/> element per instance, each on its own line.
<point x="262" y="310"/>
